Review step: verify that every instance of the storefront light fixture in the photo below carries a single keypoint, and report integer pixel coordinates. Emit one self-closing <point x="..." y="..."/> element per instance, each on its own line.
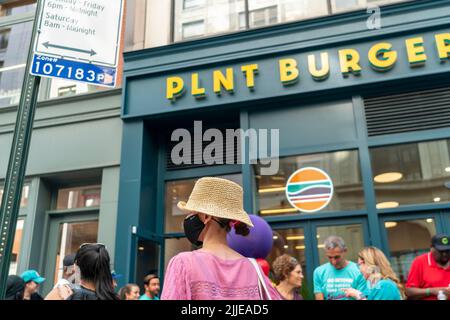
<point x="141" y="248"/>
<point x="300" y="247"/>
<point x="275" y="237"/>
<point x="388" y="177"/>
<point x="447" y="169"/>
<point x="390" y="224"/>
<point x="437" y="199"/>
<point x="429" y="220"/>
<point x="387" y="205"/>
<point x="321" y="246"/>
<point x="292" y="238"/>
<point x="275" y="211"/>
<point x="268" y="190"/>
<point x="286" y="247"/>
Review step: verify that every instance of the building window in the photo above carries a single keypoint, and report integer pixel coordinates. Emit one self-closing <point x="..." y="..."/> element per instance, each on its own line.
<point x="348" y="5"/>
<point x="80" y="197"/>
<point x="15" y="41"/>
<point x="179" y="191"/>
<point x="341" y="166"/>
<point x="17" y="7"/>
<point x="408" y="239"/>
<point x="24" y="197"/>
<point x="4" y="36"/>
<point x="218" y="17"/>
<point x="352" y="235"/>
<point x="263" y="17"/>
<point x="411" y="173"/>
<point x="188" y="4"/>
<point x="16" y="247"/>
<point x="193" y="29"/>
<point x="14" y="44"/>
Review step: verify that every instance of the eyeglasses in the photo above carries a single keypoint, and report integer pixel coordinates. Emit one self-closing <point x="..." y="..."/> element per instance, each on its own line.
<point x="93" y="244"/>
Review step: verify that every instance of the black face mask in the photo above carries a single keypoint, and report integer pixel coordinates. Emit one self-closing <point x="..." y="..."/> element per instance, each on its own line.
<point x="193" y="227"/>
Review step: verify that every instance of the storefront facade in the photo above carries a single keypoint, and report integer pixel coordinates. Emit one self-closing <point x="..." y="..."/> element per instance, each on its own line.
<point x="368" y="106"/>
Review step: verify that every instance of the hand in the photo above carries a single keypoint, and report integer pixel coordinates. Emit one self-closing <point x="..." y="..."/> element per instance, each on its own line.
<point x="61" y="292"/>
<point x="64" y="291"/>
<point x="352" y="293"/>
<point x="435" y="291"/>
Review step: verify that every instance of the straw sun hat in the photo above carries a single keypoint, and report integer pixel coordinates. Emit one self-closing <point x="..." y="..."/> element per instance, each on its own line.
<point x="219" y="198"/>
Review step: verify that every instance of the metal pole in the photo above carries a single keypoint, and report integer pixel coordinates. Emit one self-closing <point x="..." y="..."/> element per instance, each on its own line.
<point x="15" y="174"/>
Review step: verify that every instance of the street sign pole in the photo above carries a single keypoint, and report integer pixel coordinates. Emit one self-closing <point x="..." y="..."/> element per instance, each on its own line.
<point x="12" y="192"/>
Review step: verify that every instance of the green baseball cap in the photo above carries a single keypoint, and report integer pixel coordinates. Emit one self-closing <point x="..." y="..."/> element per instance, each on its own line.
<point x="32" y="275"/>
<point x="441" y="242"/>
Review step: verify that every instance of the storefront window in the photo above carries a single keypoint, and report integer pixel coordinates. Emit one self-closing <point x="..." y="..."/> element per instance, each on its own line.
<point x="80" y="197"/>
<point x="23" y="199"/>
<point x="71" y="236"/>
<point x="16" y="247"/>
<point x="352" y="235"/>
<point x="411" y="173"/>
<point x="179" y="191"/>
<point x="341" y="166"/>
<point x="407" y="240"/>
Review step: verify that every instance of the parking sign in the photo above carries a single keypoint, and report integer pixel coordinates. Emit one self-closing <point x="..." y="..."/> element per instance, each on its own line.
<point x="79" y="40"/>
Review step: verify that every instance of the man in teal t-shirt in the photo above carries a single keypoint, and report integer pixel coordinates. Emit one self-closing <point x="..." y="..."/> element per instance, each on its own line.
<point x="338" y="274"/>
<point x="151" y="286"/>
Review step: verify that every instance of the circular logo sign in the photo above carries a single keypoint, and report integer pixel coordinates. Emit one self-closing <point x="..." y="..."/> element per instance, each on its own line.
<point x="309" y="189"/>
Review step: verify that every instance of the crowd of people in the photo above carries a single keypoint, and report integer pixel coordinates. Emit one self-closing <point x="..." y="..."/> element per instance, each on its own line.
<point x="217" y="272"/>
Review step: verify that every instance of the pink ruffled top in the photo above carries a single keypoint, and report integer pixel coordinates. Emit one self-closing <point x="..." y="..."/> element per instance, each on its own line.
<point x="200" y="275"/>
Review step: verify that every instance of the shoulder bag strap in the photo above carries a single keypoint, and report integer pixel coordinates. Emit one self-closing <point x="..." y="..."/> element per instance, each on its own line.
<point x="261" y="281"/>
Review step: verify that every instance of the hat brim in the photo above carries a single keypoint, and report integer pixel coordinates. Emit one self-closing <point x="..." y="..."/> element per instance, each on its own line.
<point x="38" y="280"/>
<point x="442" y="247"/>
<point x="245" y="218"/>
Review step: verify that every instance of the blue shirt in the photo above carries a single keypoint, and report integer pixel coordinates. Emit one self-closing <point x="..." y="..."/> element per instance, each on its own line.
<point x="330" y="281"/>
<point x="146" y="297"/>
<point x="385" y="289"/>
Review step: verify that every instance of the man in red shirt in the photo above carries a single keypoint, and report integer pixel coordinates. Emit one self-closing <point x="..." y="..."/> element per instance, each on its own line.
<point x="430" y="272"/>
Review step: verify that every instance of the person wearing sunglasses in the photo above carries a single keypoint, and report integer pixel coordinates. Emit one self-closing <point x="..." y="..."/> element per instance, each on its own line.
<point x="96" y="283"/>
<point x="215" y="272"/>
<point x="339" y="273"/>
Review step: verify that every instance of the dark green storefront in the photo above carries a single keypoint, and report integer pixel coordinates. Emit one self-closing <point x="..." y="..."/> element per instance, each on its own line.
<point x="355" y="127"/>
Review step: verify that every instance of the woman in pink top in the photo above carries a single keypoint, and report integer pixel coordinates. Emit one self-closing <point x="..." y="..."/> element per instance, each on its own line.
<point x="215" y="272"/>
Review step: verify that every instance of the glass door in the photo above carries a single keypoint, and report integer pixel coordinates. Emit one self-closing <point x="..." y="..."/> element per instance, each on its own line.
<point x="148" y="251"/>
<point x="409" y="235"/>
<point x="354" y="231"/>
<point x="65" y="236"/>
<point x="293" y="239"/>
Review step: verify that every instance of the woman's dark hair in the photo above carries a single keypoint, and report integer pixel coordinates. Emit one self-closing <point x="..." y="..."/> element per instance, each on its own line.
<point x="93" y="261"/>
<point x="15" y="287"/>
<point x="126" y="290"/>
<point x="240" y="227"/>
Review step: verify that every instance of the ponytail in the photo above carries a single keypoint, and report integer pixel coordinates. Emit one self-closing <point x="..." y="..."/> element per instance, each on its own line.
<point x="102" y="277"/>
<point x="240" y="227"/>
<point x="93" y="261"/>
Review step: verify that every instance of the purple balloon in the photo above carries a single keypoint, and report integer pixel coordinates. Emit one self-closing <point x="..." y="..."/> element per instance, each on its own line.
<point x="257" y="244"/>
